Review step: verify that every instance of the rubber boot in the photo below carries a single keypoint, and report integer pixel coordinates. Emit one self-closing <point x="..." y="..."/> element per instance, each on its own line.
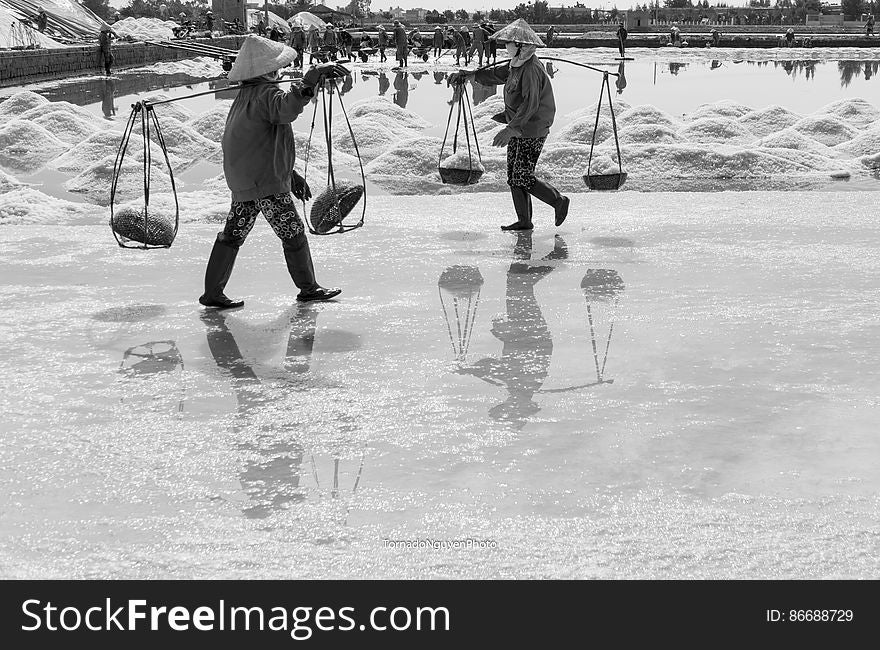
<point x="298" y="256"/>
<point x="522" y="205"/>
<point x="551" y="196"/>
<point x="217" y="275"/>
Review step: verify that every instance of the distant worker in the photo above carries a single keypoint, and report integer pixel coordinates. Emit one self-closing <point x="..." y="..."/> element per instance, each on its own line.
<point x="869" y="26"/>
<point x="789" y="37"/>
<point x="401" y="44"/>
<point x="261" y="27"/>
<point x="466" y="38"/>
<point x="551" y="34"/>
<point x="105" y="39"/>
<point x="675" y="36"/>
<point x="346" y="42"/>
<point x="382" y="39"/>
<point x="460" y="50"/>
<point x="479" y="44"/>
<point x="330" y="41"/>
<point x="491" y="42"/>
<point x="163" y="12"/>
<point x="298" y="43"/>
<point x="209" y="20"/>
<point x="42" y="20"/>
<point x="716" y="37"/>
<point x="437" y="41"/>
<point x="621" y="39"/>
<point x="314" y="42"/>
<point x="415" y="37"/>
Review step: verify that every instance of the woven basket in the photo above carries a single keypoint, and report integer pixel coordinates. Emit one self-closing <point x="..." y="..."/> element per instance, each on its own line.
<point x="329" y="208"/>
<point x="605" y="181"/>
<point x="455" y="176"/>
<point x="128" y="223"/>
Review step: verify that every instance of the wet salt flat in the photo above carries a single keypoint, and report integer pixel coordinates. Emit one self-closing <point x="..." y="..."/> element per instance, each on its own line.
<point x="661" y="388"/>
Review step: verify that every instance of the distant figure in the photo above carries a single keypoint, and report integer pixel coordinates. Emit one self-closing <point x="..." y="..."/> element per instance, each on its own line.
<point x="869" y="26"/>
<point x="401" y="44"/>
<point x="437" y="41"/>
<point x="675" y="36"/>
<point x="209" y="20"/>
<point x="314" y="43"/>
<point x="105" y="39"/>
<point x="493" y="44"/>
<point x="42" y="20"/>
<point x="465" y="44"/>
<point x="261" y="27"/>
<point x="383" y="43"/>
<point x="716" y="37"/>
<point x="181" y="18"/>
<point x="789" y="37"/>
<point x="621" y="40"/>
<point x="346" y="42"/>
<point x="163" y="12"/>
<point x="298" y="43"/>
<point x="330" y="40"/>
<point x="415" y="37"/>
<point x="551" y="34"/>
<point x="275" y="34"/>
<point x="479" y="44"/>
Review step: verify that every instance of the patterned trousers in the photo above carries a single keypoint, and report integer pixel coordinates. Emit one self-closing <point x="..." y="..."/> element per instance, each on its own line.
<point x="522" y="156"/>
<point x="279" y="210"/>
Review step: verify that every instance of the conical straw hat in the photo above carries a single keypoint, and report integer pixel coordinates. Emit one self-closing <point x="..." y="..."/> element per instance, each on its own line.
<point x="259" y="56"/>
<point x="518" y="32"/>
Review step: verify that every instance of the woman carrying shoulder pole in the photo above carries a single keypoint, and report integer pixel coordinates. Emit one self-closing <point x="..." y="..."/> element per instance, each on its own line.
<point x="529" y="110"/>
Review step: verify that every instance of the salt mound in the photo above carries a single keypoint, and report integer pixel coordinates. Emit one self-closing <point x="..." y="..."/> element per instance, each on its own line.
<point x="15" y="105"/>
<point x="864" y="144"/>
<point x="827" y="129"/>
<point x="769" y="120"/>
<point x="317" y="151"/>
<point x="62" y="106"/>
<point x="692" y="161"/>
<point x="649" y="134"/>
<point x="67" y="127"/>
<point x="415" y="157"/>
<point x="384" y="106"/>
<point x="489" y="107"/>
<point x="810" y="160"/>
<point x="462" y="160"/>
<point x="210" y="206"/>
<point x="96" y="181"/>
<point x="26" y="147"/>
<point x="28" y="206"/>
<point x="101" y="145"/>
<point x="723" y="130"/>
<point x="561" y="159"/>
<point x="198" y="67"/>
<point x="620" y="107"/>
<point x="212" y="122"/>
<point x="647" y="114"/>
<point x="7" y="182"/>
<point x="173" y="110"/>
<point x="481" y="125"/>
<point x="857" y="111"/>
<point x="792" y="139"/>
<point x="144" y="29"/>
<point x="723" y="108"/>
<point x="581" y="130"/>
<point x="372" y="138"/>
<point x="182" y="140"/>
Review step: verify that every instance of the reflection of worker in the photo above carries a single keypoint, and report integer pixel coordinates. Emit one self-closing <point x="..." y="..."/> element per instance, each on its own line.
<point x="108" y="95"/>
<point x="529" y="110"/>
<point x="105" y="40"/>
<point x="401" y="89"/>
<point x="527" y="343"/>
<point x="384" y="84"/>
<point x="551" y="71"/>
<point x="440" y="77"/>
<point x="620" y="82"/>
<point x="272" y="474"/>
<point x="258" y="157"/>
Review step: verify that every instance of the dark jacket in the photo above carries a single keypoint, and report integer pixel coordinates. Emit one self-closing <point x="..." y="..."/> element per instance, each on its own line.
<point x="258" y="145"/>
<point x="438" y="38"/>
<point x="529" y="106"/>
<point x="383" y="38"/>
<point x="298" y="39"/>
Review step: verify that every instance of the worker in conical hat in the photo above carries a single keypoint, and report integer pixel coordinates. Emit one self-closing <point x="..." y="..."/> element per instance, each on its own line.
<point x="258" y="158"/>
<point x="529" y="111"/>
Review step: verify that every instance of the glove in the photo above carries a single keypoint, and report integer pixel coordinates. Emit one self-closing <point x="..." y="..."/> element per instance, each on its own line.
<point x="317" y="74"/>
<point x="299" y="187"/>
<point x="459" y="78"/>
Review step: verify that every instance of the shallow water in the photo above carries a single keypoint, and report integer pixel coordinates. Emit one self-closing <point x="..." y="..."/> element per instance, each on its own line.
<point x="661" y="388"/>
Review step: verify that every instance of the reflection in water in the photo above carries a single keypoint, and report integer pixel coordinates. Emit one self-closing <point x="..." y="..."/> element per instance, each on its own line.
<point x="600" y="286"/>
<point x="527" y="344"/>
<point x="551" y="71"/>
<point x="715" y="64"/>
<point x="620" y="82"/>
<point x="383" y="83"/>
<point x="461" y="287"/>
<point x="152" y="358"/>
<point x="272" y="476"/>
<point x="481" y="93"/>
<point x="675" y="68"/>
<point x="401" y="89"/>
<point x="108" y="95"/>
<point x="347" y="83"/>
<point x="439" y="77"/>
<point x="850" y="70"/>
<point x="794" y="68"/>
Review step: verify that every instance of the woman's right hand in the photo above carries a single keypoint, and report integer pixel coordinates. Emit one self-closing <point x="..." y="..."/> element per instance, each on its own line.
<point x="459" y="78"/>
